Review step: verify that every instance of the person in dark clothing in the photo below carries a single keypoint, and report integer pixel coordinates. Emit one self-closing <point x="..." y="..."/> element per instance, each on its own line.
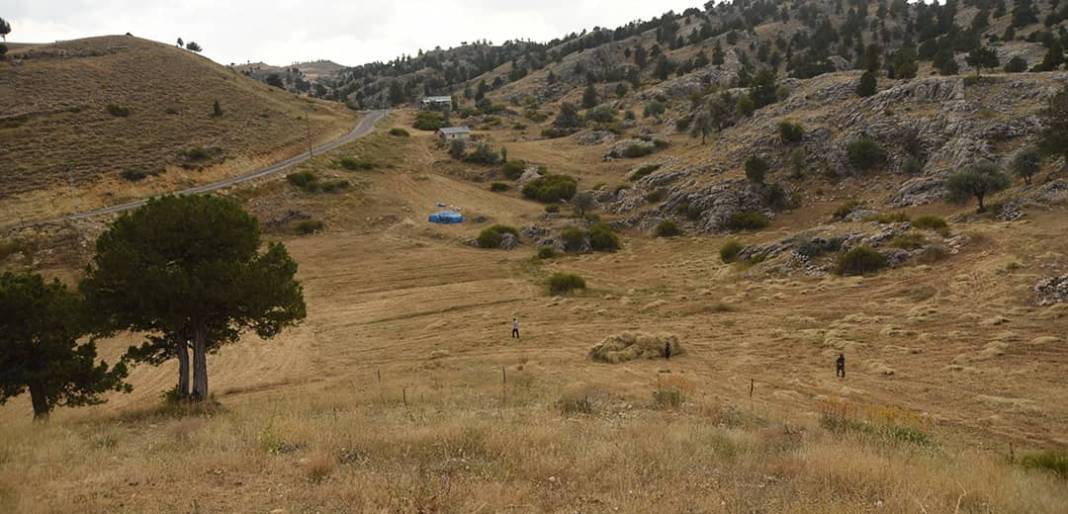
<point x="667" y="350"/>
<point x="840" y="366"/>
<point x="515" y="328"/>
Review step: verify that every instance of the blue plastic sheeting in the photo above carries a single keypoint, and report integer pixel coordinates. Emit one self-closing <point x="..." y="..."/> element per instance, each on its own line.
<point x="447" y="217"/>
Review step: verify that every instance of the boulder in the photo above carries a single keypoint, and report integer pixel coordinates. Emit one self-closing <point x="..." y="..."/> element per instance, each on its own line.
<point x="1052" y="290"/>
<point x="508" y="242"/>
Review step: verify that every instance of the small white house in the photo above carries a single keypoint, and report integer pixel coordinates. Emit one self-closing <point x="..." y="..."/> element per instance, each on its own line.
<point x="454" y="133"/>
<point x="437" y="103"/>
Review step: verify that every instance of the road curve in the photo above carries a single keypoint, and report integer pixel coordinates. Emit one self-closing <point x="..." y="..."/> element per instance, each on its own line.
<point x="364" y="127"/>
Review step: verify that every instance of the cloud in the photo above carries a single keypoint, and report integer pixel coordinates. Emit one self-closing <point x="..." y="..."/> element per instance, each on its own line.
<point x="287" y="31"/>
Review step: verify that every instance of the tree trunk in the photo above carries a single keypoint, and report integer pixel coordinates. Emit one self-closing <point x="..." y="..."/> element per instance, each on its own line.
<point x="183" y="368"/>
<point x="40" y="403"/>
<point x="981" y="206"/>
<point x="200" y="366"/>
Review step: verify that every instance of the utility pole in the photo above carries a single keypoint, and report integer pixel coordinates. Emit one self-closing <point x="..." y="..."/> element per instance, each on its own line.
<point x="307" y="128"/>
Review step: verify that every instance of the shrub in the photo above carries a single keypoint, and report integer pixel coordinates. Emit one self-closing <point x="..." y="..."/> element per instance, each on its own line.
<point x="865" y="154"/>
<point x="636" y="150"/>
<point x="1051" y="461"/>
<point x="775" y="197"/>
<point x="654" y="108"/>
<point x="546" y="252"/>
<point x="398" y="132"/>
<point x="134" y="174"/>
<point x="868" y="85"/>
<point x="309" y="227"/>
<point x="512" y="170"/>
<point x="745" y="106"/>
<point x="118" y="111"/>
<point x="429" y="120"/>
<point x="655" y="196"/>
<point x="889" y="217"/>
<point x="556" y="132"/>
<point x="216" y="109"/>
<point x="728" y="253"/>
<point x="573" y="237"/>
<point x="483" y="154"/>
<point x="575" y="405"/>
<point x="499" y="187"/>
<point x="932" y="254"/>
<point x="457" y="149"/>
<point x="602" y="114"/>
<point x="563" y="283"/>
<point x="910" y="241"/>
<point x="491" y="237"/>
<point x="603" y="238"/>
<point x="643" y="172"/>
<point x="859" y="261"/>
<point x="552" y="208"/>
<point x="668" y="398"/>
<point x="667" y="228"/>
<point x="551" y="188"/>
<point x="333" y="186"/>
<point x="354" y="164"/>
<point x="930" y="223"/>
<point x="755" y="169"/>
<point x="791" y="132"/>
<point x="199" y="153"/>
<point x="1016" y="65"/>
<point x="845" y="209"/>
<point x="747" y="221"/>
<point x="302" y="179"/>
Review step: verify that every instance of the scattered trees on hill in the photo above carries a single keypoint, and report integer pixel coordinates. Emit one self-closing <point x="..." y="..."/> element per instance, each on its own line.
<point x="867" y="86"/>
<point x="189" y="271"/>
<point x="1026" y="163"/>
<point x="1054" y="136"/>
<point x="181" y="44"/>
<point x="978" y="181"/>
<point x="275" y="80"/>
<point x="40" y="325"/>
<point x="982" y="57"/>
<point x="192" y="46"/>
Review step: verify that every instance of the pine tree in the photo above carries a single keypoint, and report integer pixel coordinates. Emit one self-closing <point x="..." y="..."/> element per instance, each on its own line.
<point x="193" y="47"/>
<point x="717" y="54"/>
<point x="868" y="85"/>
<point x="189" y="270"/>
<point x="5" y="29"/>
<point x="589" y="97"/>
<point x="181" y="44"/>
<point x="40" y="324"/>
<point x="982" y="57"/>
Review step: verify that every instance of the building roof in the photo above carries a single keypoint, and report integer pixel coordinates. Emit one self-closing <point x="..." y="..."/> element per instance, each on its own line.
<point x="436" y="99"/>
<point x="454" y="130"/>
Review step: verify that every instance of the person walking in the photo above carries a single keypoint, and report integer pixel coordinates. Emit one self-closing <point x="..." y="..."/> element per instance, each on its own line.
<point x="515" y="328"/>
<point x="840" y="366"/>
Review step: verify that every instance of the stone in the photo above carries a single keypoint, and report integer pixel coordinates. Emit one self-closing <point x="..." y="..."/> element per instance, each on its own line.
<point x="1052" y="290"/>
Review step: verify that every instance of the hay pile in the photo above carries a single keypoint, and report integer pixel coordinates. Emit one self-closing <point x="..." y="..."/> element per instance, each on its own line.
<point x="627" y="347"/>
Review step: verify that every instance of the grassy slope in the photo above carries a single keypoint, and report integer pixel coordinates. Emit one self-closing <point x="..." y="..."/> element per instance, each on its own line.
<point x="57" y="128"/>
<point x="306" y="424"/>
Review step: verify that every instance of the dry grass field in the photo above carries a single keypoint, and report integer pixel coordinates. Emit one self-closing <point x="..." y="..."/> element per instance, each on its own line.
<point x="403" y="392"/>
<point x="79" y="114"/>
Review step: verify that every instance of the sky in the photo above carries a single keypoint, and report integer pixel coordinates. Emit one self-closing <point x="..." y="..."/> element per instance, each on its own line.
<point x="348" y="32"/>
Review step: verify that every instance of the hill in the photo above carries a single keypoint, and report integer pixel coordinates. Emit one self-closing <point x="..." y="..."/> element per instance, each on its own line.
<point x="301" y="77"/>
<point x="85" y="113"/>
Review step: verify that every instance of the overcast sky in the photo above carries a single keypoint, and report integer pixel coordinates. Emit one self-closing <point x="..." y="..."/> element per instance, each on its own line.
<point x="348" y="32"/>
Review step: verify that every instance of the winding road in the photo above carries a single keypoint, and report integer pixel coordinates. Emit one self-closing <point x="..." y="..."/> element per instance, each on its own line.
<point x="364" y="127"/>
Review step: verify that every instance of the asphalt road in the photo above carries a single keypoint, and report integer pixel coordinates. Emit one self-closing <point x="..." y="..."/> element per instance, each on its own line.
<point x="364" y="127"/>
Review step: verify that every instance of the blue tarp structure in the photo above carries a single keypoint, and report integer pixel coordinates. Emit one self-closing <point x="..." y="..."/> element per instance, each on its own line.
<point x="446" y="217"/>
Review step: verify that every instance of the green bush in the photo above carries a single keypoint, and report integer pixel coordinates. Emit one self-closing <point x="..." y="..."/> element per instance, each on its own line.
<point x="135" y="174"/>
<point x="491" y="237"/>
<point x="333" y="186"/>
<point x="302" y="179"/>
<point x="546" y="252"/>
<point x="668" y="398"/>
<point x="118" y="111"/>
<point x="930" y="223"/>
<point x="199" y="153"/>
<point x="398" y="132"/>
<point x="512" y="170"/>
<point x="635" y="150"/>
<point x="309" y="227"/>
<point x="865" y="154"/>
<point x="654" y="108"/>
<point x="791" y="132"/>
<point x="1016" y="65"/>
<point x="860" y="261"/>
<point x="563" y="283"/>
<point x="354" y="164"/>
<point x="643" y="172"/>
<point x="747" y="221"/>
<point x="551" y="188"/>
<point x="603" y="238"/>
<point x="667" y="228"/>
<point x="483" y="154"/>
<point x="756" y="168"/>
<point x="499" y="187"/>
<point x="429" y="120"/>
<point x="1051" y="461"/>
<point x="602" y="114"/>
<point x="556" y="132"/>
<point x="728" y="253"/>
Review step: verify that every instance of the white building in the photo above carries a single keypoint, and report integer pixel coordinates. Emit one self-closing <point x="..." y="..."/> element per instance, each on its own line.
<point x="437" y="103"/>
<point x="454" y="133"/>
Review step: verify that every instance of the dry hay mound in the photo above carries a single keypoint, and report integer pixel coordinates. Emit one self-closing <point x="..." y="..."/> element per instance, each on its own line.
<point x="627" y="347"/>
